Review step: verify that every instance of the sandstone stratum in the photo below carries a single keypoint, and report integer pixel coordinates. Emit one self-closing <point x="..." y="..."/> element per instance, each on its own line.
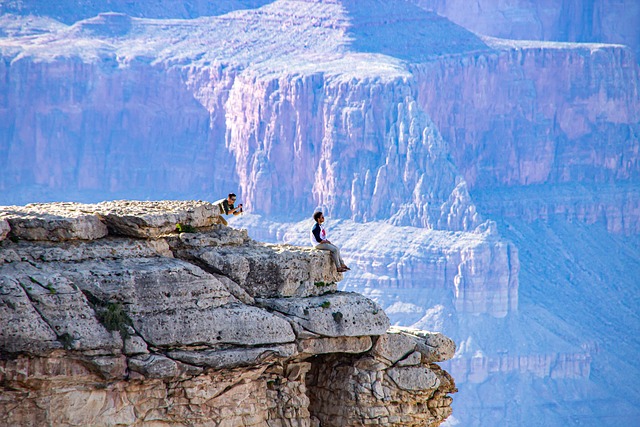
<point x="110" y="316"/>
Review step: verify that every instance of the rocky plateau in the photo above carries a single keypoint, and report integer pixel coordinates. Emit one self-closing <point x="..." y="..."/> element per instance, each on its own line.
<point x="111" y="317"/>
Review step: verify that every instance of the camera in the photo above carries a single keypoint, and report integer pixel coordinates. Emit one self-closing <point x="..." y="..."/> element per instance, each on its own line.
<point x="240" y="206"/>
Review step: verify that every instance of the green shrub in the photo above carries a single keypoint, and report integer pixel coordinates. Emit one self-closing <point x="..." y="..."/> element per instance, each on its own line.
<point x="66" y="340"/>
<point x="112" y="315"/>
<point x="35" y="281"/>
<point x="114" y="318"/>
<point x="185" y="228"/>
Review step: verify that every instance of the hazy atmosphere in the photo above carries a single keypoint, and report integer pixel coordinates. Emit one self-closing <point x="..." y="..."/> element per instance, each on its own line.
<point x="477" y="164"/>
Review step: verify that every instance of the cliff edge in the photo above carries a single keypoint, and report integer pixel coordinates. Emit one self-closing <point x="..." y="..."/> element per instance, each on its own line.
<point x="154" y="314"/>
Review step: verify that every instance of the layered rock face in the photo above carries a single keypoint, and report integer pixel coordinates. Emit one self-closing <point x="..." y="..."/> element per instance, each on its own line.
<point x="92" y="110"/>
<point x="112" y="317"/>
<point x="567" y="20"/>
<point x="293" y="132"/>
<point x="577" y="130"/>
<point x="343" y="140"/>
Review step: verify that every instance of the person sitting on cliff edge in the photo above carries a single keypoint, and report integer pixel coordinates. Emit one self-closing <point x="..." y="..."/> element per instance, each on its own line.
<point x="319" y="240"/>
<point x="227" y="208"/>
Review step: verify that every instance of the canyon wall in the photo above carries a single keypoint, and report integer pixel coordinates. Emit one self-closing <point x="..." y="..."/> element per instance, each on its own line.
<point x="403" y="142"/>
<point x="565" y="136"/>
<point x="568" y="20"/>
<point x="409" y="132"/>
<point x="362" y="149"/>
<point x="112" y="317"/>
<point x="94" y="126"/>
<point x="359" y="146"/>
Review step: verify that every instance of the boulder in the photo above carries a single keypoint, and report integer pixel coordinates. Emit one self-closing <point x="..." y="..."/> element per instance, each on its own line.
<point x="236" y="357"/>
<point x="153" y="219"/>
<point x="393" y="347"/>
<point x="434" y="346"/>
<point x="333" y="315"/>
<point x="146" y="286"/>
<point x="236" y="324"/>
<point x="272" y="271"/>
<point x="53" y="222"/>
<point x="414" y="378"/>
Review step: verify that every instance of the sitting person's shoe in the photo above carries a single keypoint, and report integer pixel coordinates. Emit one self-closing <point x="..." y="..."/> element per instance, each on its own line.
<point x="345" y="267"/>
<point x="342" y="269"/>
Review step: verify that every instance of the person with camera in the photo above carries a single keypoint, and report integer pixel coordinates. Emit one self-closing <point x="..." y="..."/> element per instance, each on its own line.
<point x="319" y="240"/>
<point x="227" y="207"/>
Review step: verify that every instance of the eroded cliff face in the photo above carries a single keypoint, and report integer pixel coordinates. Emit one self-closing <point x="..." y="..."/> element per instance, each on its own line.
<point x="212" y="118"/>
<point x="280" y="113"/>
<point x="566" y="20"/>
<point x="111" y="317"/>
<point x="104" y="128"/>
<point x="362" y="148"/>
<point x="569" y="144"/>
<point x="567" y="117"/>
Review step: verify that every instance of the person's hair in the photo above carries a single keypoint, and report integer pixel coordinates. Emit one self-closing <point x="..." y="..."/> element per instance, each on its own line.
<point x="231" y="195"/>
<point x="317" y="215"/>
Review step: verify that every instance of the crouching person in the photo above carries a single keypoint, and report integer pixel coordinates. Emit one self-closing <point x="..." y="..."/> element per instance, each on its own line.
<point x="227" y="208"/>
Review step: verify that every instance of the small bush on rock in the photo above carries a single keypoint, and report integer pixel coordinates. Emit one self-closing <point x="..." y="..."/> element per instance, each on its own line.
<point x="185" y="228"/>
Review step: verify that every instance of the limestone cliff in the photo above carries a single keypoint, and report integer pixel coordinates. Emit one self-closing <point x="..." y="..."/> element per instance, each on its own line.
<point x="268" y="101"/>
<point x="112" y="317"/>
<point x="564" y="20"/>
<point x="574" y="154"/>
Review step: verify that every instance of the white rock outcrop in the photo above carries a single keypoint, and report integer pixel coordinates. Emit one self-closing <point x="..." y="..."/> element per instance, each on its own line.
<point x="53" y="222"/>
<point x="141" y="326"/>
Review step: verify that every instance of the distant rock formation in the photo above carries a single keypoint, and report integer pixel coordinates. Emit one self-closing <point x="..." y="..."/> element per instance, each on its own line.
<point x="203" y="119"/>
<point x="598" y="21"/>
<point x="385" y="116"/>
<point x="268" y="101"/>
<point x="112" y="317"/>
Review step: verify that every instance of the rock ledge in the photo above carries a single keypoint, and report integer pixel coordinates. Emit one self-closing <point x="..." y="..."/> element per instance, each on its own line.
<point x="112" y="317"/>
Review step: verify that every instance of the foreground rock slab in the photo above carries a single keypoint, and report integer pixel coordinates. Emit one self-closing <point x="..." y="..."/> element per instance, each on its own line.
<point x="52" y="222"/>
<point x="111" y="316"/>
<point x="153" y="219"/>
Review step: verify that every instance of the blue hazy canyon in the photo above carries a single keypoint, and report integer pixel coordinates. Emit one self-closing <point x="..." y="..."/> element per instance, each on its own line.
<point x="479" y="165"/>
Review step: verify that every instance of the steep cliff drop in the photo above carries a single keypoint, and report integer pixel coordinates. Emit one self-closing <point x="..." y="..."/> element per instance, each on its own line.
<point x="390" y="117"/>
<point x="112" y="317"/>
